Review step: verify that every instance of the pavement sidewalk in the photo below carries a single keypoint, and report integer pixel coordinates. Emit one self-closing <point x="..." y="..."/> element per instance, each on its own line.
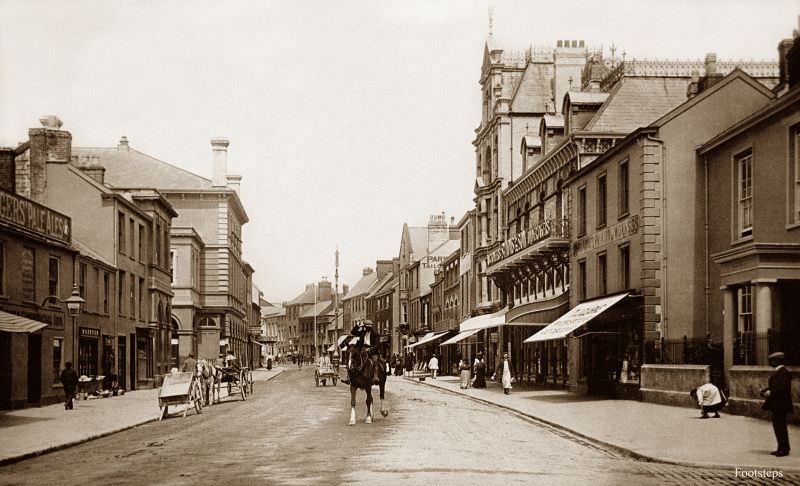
<point x="645" y="430"/>
<point x="31" y="432"/>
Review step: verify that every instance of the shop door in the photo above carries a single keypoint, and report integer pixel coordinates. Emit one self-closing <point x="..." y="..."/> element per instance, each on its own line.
<point x="34" y="368"/>
<point x="5" y="370"/>
<point x="605" y="363"/>
<point x="133" y="361"/>
<point x="123" y="369"/>
<point x="87" y="356"/>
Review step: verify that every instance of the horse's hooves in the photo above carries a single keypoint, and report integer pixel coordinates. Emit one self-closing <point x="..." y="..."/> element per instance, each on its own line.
<point x="385" y="413"/>
<point x="369" y="420"/>
<point x="352" y="422"/>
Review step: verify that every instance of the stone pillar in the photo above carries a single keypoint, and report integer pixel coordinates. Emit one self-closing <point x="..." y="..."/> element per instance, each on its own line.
<point x="763" y="316"/>
<point x="728" y="329"/>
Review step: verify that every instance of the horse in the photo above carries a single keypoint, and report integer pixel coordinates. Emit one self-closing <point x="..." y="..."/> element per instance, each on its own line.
<point x="210" y="376"/>
<point x="364" y="371"/>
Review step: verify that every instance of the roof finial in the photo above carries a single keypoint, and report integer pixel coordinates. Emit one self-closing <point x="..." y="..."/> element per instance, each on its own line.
<point x="491" y="21"/>
<point x="613" y="50"/>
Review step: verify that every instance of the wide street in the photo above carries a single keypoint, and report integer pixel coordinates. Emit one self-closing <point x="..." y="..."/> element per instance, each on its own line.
<point x="291" y="432"/>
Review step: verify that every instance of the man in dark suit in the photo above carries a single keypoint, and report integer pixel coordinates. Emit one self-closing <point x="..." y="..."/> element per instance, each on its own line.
<point x="779" y="401"/>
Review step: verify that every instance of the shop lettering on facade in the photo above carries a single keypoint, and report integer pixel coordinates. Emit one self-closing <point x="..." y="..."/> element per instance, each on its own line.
<point x="34" y="217"/>
<point x="432" y="262"/>
<point x="619" y="231"/>
<point x="89" y="332"/>
<point x="527" y="238"/>
<point x="54" y="321"/>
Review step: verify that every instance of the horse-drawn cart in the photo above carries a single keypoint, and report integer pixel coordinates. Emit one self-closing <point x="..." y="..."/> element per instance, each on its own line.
<point x="180" y="389"/>
<point x="237" y="381"/>
<point x="324" y="373"/>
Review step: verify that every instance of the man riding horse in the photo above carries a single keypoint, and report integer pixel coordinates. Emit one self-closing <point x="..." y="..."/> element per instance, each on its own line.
<point x="365" y="367"/>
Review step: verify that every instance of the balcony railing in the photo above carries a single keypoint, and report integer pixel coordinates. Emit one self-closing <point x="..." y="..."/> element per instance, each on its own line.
<point x="551" y="228"/>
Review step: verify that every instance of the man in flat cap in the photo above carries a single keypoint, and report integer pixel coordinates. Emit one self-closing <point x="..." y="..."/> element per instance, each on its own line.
<point x="779" y="401"/>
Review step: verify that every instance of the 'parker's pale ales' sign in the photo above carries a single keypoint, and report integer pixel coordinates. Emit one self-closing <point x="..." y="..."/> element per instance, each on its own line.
<point x="32" y="217"/>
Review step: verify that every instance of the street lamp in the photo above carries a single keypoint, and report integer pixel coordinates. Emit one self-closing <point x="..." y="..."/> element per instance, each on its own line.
<point x="74" y="304"/>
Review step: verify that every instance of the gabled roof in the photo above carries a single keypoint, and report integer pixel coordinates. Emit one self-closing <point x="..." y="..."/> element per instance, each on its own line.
<point x="382" y="285"/>
<point x="553" y="121"/>
<point x="534" y="91"/>
<point x="445" y="249"/>
<point x="131" y="168"/>
<point x="320" y="309"/>
<point x="586" y="97"/>
<point x="363" y="285"/>
<point x="637" y="102"/>
<point x="419" y="242"/>
<point x="272" y="311"/>
<point x="307" y="297"/>
<point x="531" y="141"/>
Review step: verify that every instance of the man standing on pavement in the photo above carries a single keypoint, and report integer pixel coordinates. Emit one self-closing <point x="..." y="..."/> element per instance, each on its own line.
<point x="69" y="379"/>
<point x="709" y="398"/>
<point x="189" y="364"/>
<point x="433" y="365"/>
<point x="504" y="373"/>
<point x="778" y="401"/>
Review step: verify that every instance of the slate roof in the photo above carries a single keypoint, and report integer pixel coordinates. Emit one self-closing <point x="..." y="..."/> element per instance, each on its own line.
<point x="318" y="310"/>
<point x="382" y="285"/>
<point x="131" y="168"/>
<point x="307" y="297"/>
<point x="587" y="97"/>
<point x="272" y="310"/>
<point x="554" y="121"/>
<point x="534" y="91"/>
<point x="85" y="249"/>
<point x="445" y="250"/>
<point x="363" y="285"/>
<point x="637" y="102"/>
<point x="532" y="141"/>
<point x="419" y="242"/>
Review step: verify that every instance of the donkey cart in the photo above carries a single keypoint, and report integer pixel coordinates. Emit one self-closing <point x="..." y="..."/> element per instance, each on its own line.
<point x="180" y="389"/>
<point x="324" y="373"/>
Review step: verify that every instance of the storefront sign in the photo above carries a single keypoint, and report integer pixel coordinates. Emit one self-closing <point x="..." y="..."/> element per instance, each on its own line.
<point x="524" y="239"/>
<point x="30" y="216"/>
<point x="433" y="262"/>
<point x="494" y="337"/>
<point x="89" y="332"/>
<point x="54" y="321"/>
<point x="617" y="232"/>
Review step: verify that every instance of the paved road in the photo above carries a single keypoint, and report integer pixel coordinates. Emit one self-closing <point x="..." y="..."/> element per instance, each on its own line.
<point x="292" y="433"/>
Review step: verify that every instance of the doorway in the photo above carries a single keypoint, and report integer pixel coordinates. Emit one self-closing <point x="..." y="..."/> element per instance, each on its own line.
<point x="123" y="369"/>
<point x="34" y="368"/>
<point x="133" y="361"/>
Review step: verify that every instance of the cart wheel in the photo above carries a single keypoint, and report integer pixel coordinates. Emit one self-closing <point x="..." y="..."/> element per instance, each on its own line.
<point x="198" y="399"/>
<point x="250" y="382"/>
<point x="243" y="386"/>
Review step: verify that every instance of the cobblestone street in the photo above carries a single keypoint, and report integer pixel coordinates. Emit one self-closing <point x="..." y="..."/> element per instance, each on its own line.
<point x="291" y="432"/>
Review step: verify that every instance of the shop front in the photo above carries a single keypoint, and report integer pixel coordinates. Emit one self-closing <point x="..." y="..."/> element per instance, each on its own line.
<point x="88" y="356"/>
<point x="596" y="347"/>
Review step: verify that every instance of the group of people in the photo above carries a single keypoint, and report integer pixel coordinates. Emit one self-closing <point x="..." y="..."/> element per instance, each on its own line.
<point x="474" y="374"/>
<point x="777" y="395"/>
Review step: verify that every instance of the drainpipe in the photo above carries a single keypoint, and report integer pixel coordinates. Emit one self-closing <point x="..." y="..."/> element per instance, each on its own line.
<point x="705" y="239"/>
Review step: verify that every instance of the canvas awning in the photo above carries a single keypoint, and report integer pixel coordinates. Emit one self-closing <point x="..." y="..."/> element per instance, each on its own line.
<point x="15" y="323"/>
<point x="485" y="321"/>
<point x="431" y="336"/>
<point x="460" y="337"/>
<point x="578" y="316"/>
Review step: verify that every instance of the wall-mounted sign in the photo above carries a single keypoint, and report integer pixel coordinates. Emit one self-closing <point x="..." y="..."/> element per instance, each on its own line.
<point x="28" y="215"/>
<point x="617" y="232"/>
<point x="89" y="332"/>
<point x="551" y="228"/>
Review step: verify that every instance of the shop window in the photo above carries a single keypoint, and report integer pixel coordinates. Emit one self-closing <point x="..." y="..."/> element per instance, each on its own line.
<point x="82" y="280"/>
<point x="57" y="357"/>
<point x="52" y="276"/>
<point x="746" y="339"/>
<point x="624" y="188"/>
<point x="582" y="211"/>
<point x="744" y="175"/>
<point x="132" y="297"/>
<point x="142" y="255"/>
<point x="601" y="200"/>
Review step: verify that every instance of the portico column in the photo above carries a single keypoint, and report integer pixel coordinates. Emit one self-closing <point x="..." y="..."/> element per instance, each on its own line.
<point x="728" y="329"/>
<point x="763" y="317"/>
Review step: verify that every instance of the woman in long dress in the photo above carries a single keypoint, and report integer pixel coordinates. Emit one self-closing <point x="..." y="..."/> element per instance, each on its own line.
<point x="480" y="372"/>
<point x="465" y="374"/>
<point x="505" y="370"/>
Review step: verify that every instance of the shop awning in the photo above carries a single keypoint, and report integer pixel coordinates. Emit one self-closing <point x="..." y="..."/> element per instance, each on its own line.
<point x="460" y="337"/>
<point x="578" y="316"/>
<point x="15" y="323"/>
<point x="431" y="336"/>
<point x="485" y="321"/>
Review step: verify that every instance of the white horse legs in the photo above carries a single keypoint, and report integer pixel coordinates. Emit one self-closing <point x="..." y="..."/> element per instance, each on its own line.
<point x="352" y="416"/>
<point x="369" y="414"/>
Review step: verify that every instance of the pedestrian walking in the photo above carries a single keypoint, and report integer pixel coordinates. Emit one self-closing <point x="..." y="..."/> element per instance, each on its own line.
<point x="409" y="364"/>
<point x="709" y="398"/>
<point x="299" y="361"/>
<point x="433" y="365"/>
<point x="503" y="373"/>
<point x="778" y="401"/>
<point x="480" y="371"/>
<point x="464" y="368"/>
<point x="69" y="380"/>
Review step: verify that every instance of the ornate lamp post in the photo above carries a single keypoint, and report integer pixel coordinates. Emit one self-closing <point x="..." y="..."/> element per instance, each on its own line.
<point x="74" y="304"/>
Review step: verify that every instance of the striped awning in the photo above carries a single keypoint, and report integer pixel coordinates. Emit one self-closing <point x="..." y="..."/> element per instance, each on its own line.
<point x="460" y="337"/>
<point x="15" y="323"/>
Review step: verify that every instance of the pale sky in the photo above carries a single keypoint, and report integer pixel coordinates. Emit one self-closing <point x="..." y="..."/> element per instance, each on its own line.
<point x="346" y="119"/>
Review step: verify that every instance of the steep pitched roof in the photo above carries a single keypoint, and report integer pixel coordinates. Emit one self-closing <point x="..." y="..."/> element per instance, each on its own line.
<point x="443" y="250"/>
<point x="320" y="309"/>
<point x="307" y="297"/>
<point x="534" y="91"/>
<point x="637" y="102"/>
<point x="131" y="168"/>
<point x="419" y="241"/>
<point x="363" y="286"/>
<point x="382" y="285"/>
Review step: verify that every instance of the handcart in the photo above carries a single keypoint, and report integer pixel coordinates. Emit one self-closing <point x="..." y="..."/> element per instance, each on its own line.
<point x="180" y="389"/>
<point x="324" y="373"/>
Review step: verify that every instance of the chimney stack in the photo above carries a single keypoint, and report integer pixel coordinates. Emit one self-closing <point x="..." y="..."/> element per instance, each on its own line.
<point x="123" y="143"/>
<point x="48" y="145"/>
<point x="366" y="271"/>
<point x="711" y="64"/>
<point x="235" y="182"/>
<point x="8" y="169"/>
<point x="220" y="162"/>
<point x="345" y="289"/>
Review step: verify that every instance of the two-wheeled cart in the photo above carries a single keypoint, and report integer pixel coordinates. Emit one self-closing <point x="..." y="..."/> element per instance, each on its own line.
<point x="180" y="389"/>
<point x="324" y="373"/>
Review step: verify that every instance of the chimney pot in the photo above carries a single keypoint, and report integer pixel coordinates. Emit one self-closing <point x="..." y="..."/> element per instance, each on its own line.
<point x="123" y="143"/>
<point x="220" y="161"/>
<point x="711" y="64"/>
<point x="51" y="121"/>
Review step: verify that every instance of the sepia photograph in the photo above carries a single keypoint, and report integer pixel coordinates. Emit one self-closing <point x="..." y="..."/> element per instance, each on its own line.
<point x="445" y="242"/>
